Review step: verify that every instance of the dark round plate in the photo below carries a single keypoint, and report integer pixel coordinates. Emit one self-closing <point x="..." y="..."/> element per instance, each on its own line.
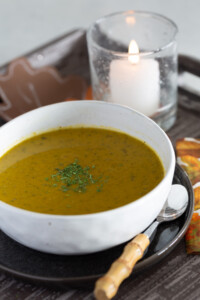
<point x="83" y="270"/>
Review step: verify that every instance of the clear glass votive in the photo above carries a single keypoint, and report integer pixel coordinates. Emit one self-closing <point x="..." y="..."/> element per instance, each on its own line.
<point x="133" y="62"/>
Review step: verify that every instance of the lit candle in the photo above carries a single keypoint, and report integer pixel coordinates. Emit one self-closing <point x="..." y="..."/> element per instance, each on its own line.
<point x="135" y="82"/>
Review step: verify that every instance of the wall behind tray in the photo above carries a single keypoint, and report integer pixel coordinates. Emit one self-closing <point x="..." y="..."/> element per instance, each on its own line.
<point x="25" y="25"/>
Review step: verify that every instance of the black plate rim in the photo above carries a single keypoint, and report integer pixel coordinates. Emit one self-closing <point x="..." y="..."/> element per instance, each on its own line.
<point x="140" y="266"/>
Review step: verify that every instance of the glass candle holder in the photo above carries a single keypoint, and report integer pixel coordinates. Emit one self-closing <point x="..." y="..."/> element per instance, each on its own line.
<point x="133" y="62"/>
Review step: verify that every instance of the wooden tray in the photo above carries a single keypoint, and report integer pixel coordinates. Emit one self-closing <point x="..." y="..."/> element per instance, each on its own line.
<point x="177" y="267"/>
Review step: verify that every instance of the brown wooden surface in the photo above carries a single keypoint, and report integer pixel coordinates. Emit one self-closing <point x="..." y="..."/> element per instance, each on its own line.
<point x="175" y="277"/>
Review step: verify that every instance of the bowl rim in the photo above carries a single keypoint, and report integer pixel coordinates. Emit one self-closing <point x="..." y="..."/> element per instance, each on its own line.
<point x="106" y="212"/>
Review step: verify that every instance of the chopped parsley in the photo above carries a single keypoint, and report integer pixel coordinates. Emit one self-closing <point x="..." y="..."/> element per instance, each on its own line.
<point x="77" y="178"/>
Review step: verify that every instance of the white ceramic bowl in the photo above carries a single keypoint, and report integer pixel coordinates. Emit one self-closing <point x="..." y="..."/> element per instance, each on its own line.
<point x="79" y="234"/>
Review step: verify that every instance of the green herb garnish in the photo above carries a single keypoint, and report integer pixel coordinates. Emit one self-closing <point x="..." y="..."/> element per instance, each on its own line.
<point x="76" y="178"/>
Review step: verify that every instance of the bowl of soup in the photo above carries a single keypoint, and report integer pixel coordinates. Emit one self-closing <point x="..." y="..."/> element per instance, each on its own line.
<point x="83" y="176"/>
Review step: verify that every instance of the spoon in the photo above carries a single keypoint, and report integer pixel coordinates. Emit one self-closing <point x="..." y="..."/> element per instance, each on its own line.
<point x="107" y="286"/>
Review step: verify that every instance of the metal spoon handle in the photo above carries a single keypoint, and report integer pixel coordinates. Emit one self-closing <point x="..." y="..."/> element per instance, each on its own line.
<point x="150" y="230"/>
<point x="107" y="286"/>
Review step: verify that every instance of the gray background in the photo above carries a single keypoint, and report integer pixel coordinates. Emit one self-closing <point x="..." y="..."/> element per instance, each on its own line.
<point x="27" y="24"/>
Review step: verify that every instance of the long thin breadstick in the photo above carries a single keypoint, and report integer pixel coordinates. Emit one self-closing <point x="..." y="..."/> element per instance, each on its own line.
<point x="107" y="286"/>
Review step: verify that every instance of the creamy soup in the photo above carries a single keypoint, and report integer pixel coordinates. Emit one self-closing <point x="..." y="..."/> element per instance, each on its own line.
<point x="78" y="171"/>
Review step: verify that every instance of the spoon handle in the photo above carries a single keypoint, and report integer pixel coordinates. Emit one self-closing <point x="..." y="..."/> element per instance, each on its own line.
<point x="150" y="230"/>
<point x="107" y="286"/>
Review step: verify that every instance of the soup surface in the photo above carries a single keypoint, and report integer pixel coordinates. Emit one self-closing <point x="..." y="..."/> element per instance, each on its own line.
<point x="78" y="171"/>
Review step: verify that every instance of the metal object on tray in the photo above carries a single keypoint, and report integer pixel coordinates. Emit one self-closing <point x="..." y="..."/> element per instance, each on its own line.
<point x="47" y="75"/>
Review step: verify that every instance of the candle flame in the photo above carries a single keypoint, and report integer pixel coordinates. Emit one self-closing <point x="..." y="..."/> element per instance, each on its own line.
<point x="130" y="20"/>
<point x="133" y="49"/>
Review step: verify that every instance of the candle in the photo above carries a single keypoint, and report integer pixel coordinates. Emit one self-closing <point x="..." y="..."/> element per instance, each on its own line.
<point x="135" y="82"/>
